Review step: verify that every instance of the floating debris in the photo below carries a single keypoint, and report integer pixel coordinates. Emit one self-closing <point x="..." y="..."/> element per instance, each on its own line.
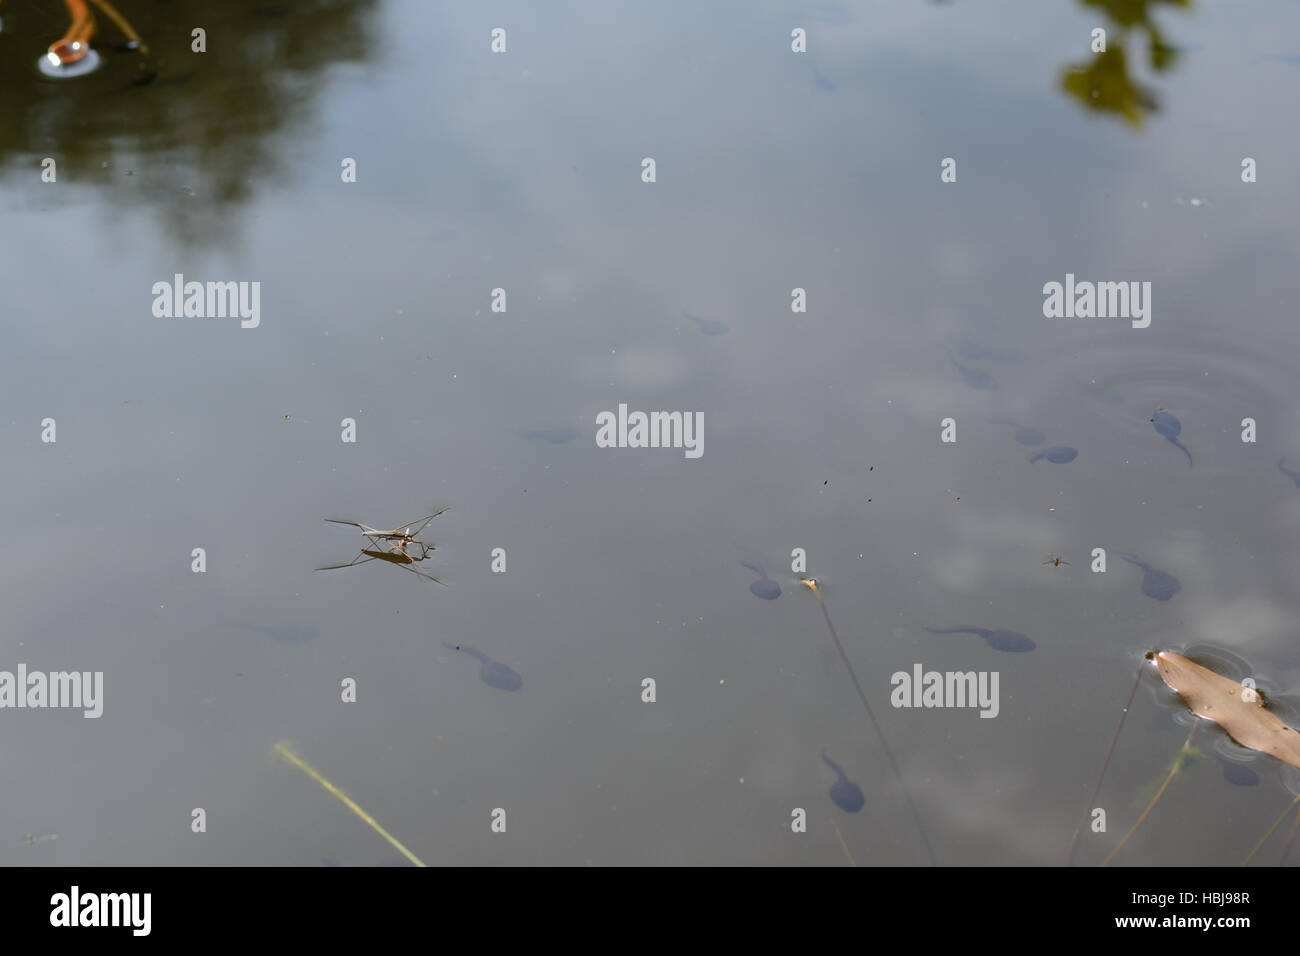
<point x="1234" y="707"/>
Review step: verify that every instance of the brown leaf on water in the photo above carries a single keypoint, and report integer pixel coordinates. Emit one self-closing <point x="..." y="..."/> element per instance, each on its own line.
<point x="1226" y="702"/>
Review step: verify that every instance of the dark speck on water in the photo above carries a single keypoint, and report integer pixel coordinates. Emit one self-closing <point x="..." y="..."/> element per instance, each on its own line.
<point x="493" y="673"/>
<point x="974" y="377"/>
<point x="1012" y="642"/>
<point x="1169" y="426"/>
<point x="553" y="436"/>
<point x="844" y="793"/>
<point x="1025" y="436"/>
<point x="706" y="326"/>
<point x="1058" y="455"/>
<point x="1293" y="475"/>
<point x="1155" y="583"/>
<point x="764" y="587"/>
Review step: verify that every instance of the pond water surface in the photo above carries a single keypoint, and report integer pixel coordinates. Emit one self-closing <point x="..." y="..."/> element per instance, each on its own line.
<point x="522" y="171"/>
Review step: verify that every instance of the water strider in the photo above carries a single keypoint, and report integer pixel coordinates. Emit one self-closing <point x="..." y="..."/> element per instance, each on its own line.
<point x="1055" y="560"/>
<point x="1012" y="642"/>
<point x="844" y="793"/>
<point x="1025" y="436"/>
<point x="492" y="672"/>
<point x="1170" y="427"/>
<point x="390" y="546"/>
<point x="1157" y="584"/>
<point x="764" y="587"/>
<point x="1057" y="455"/>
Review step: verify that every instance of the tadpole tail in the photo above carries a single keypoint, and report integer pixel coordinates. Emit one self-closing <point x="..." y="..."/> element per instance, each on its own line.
<point x="879" y="733"/>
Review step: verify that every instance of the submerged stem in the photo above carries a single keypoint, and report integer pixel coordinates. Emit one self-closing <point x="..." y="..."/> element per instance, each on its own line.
<point x="844" y="846"/>
<point x="1286" y="851"/>
<point x="1114" y="738"/>
<point x="347" y="801"/>
<point x="1178" y="765"/>
<point x="812" y="586"/>
<point x="1269" y="832"/>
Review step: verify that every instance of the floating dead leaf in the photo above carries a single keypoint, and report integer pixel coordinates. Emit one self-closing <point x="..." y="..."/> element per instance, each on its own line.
<point x="1231" y="706"/>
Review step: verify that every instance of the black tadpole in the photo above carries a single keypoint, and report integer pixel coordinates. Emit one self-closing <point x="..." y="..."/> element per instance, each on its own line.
<point x="811" y="585"/>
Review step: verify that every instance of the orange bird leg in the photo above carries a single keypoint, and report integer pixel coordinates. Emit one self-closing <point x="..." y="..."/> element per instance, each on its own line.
<point x="75" y="44"/>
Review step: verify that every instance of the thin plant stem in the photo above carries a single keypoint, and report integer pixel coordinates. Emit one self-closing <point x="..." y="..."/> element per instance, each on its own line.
<point x="1178" y="765"/>
<point x="812" y="586"/>
<point x="1286" y="851"/>
<point x="1269" y="832"/>
<point x="843" y="846"/>
<point x="1114" y="738"/>
<point x="302" y="765"/>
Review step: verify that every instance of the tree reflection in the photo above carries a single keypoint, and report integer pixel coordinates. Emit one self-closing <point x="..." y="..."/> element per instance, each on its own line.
<point x="1104" y="84"/>
<point x="192" y="134"/>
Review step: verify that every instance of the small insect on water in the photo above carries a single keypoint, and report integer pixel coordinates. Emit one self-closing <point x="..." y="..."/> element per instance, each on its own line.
<point x="391" y="546"/>
<point x="1055" y="560"/>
